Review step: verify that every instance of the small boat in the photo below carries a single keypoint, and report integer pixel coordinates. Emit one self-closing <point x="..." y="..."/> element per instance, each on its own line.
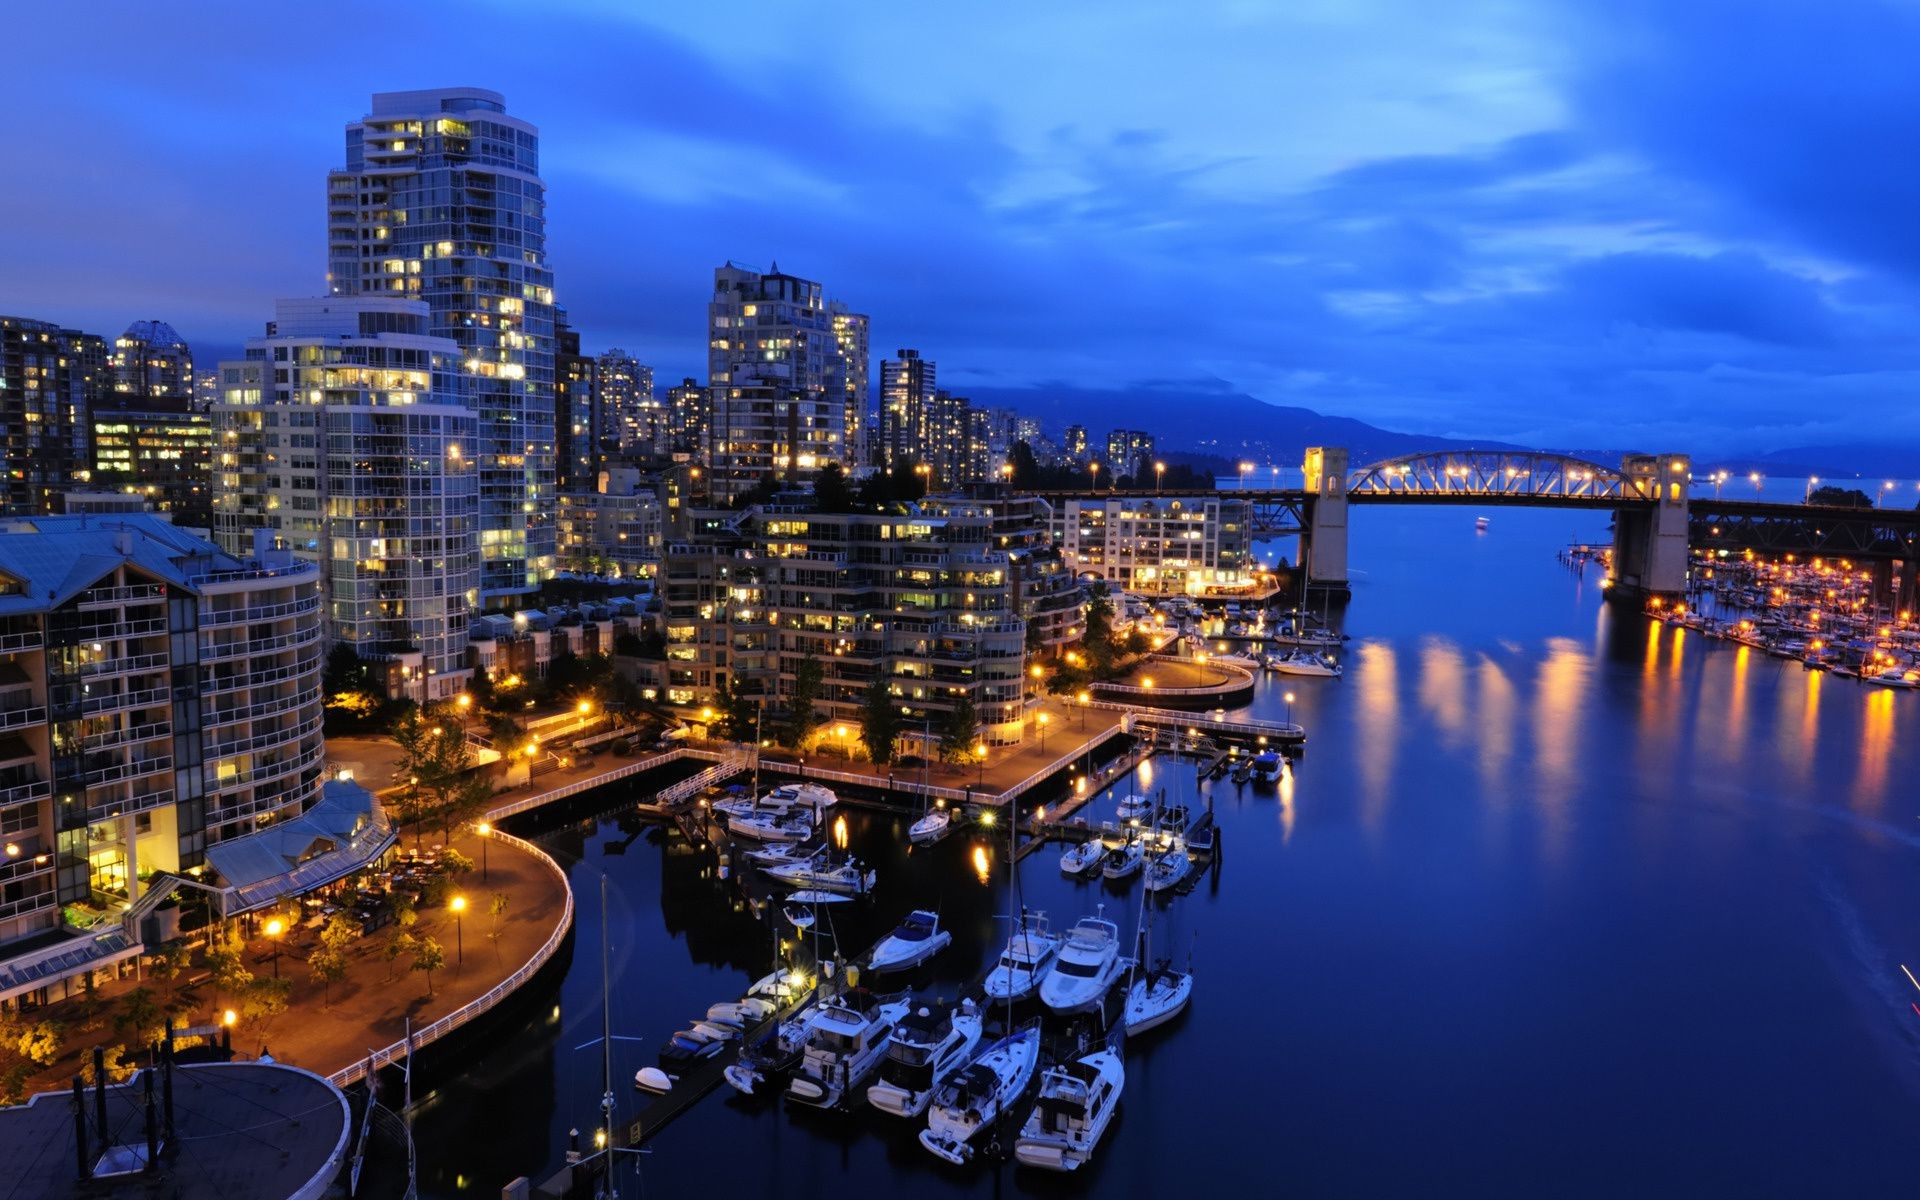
<point x="1480" y="524"/>
<point x="1893" y="677"/>
<point x="931" y="827"/>
<point x="771" y="1056"/>
<point x="918" y="938"/>
<point x="1266" y="766"/>
<point x="1077" y="1102"/>
<point x="1029" y="955"/>
<point x="1133" y="807"/>
<point x="782" y="801"/>
<point x="777" y="854"/>
<point x="1299" y="662"/>
<point x="1157" y="997"/>
<point x="718" y="1031"/>
<point x="1083" y="858"/>
<point x="1088" y="965"/>
<point x="770" y="827"/>
<point x="815" y="874"/>
<point x="1243" y="771"/>
<point x="653" y="1079"/>
<point x="1200" y="838"/>
<point x="1124" y="860"/>
<point x="927" y="1046"/>
<point x="976" y="1095"/>
<point x="799" y="916"/>
<point x="847" y="1039"/>
<point x="748" y="1011"/>
<point x="779" y="986"/>
<point x="812" y="896"/>
<point x="688" y="1046"/>
<point x="1168" y="869"/>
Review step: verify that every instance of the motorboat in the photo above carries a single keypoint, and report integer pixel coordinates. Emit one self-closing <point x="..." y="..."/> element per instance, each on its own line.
<point x="1266" y="766"/>
<point x="817" y="874"/>
<point x="750" y="1010"/>
<point x="1299" y="662"/>
<point x="771" y="827"/>
<point x="782" y="801"/>
<point x="918" y="938"/>
<point x="1082" y="858"/>
<point x="800" y="916"/>
<point x="930" y="827"/>
<point x="1029" y="955"/>
<point x="1168" y="868"/>
<point x="1134" y="806"/>
<point x="770" y="1057"/>
<point x="927" y="1046"/>
<point x="847" y="1039"/>
<point x="1480" y="524"/>
<point x="1243" y="770"/>
<point x="1893" y="677"/>
<point x="1076" y="1104"/>
<point x="1089" y="962"/>
<point x="1156" y="997"/>
<point x="1245" y="662"/>
<point x="1124" y="860"/>
<point x="816" y="897"/>
<point x="777" y="854"/>
<point x="979" y="1093"/>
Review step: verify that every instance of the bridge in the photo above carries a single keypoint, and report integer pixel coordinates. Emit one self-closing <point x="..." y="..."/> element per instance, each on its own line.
<point x="1656" y="519"/>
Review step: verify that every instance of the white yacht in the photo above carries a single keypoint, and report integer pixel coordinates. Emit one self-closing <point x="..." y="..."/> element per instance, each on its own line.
<point x="847" y="1039"/>
<point x="1082" y="858"/>
<point x="777" y="854"/>
<point x="1156" y="997"/>
<point x="1076" y="1104"/>
<point x="1300" y="662"/>
<point x="774" y="1054"/>
<point x="931" y="827"/>
<point x="1124" y="860"/>
<point x="1134" y="806"/>
<point x="1266" y="767"/>
<point x="817" y="874"/>
<point x="977" y="1094"/>
<point x="771" y="827"/>
<point x="1168" y="868"/>
<point x="781" y="801"/>
<point x="918" y="938"/>
<point x="927" y="1046"/>
<point x="1088" y="965"/>
<point x="1029" y="955"/>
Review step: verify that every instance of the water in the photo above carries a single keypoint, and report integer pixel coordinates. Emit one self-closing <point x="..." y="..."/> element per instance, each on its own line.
<point x="1557" y="903"/>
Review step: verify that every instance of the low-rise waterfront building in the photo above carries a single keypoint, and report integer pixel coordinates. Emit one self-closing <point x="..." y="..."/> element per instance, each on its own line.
<point x="1158" y="545"/>
<point x="613" y="531"/>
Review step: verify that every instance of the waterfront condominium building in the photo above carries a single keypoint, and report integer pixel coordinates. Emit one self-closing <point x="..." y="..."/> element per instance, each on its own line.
<point x="1158" y="545"/>
<point x="157" y="697"/>
<point x="441" y="200"/>
<point x="50" y="379"/>
<point x="151" y="360"/>
<point x="906" y="394"/>
<point x="345" y="432"/>
<point x="614" y="530"/>
<point x="925" y="602"/>
<point x="1046" y="592"/>
<point x="779" y="393"/>
<point x="577" y="451"/>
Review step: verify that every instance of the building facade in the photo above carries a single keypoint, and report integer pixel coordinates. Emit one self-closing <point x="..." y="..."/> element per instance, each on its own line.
<point x="150" y="360"/>
<point x="50" y="379"/>
<point x="690" y="419"/>
<point x="441" y="200"/>
<point x="852" y="332"/>
<point x="1074" y="442"/>
<point x="906" y="396"/>
<point x="577" y="452"/>
<point x="1158" y="545"/>
<point x="157" y="447"/>
<point x="632" y="421"/>
<point x="157" y="697"/>
<point x="346" y="435"/>
<point x="925" y="602"/>
<point x="1129" y="453"/>
<point x="615" y="530"/>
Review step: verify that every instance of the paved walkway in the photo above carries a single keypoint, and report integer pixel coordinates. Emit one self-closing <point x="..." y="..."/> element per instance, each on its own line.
<point x="370" y="1007"/>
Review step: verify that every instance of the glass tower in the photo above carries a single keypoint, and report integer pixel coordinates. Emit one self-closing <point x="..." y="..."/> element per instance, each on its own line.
<point x="441" y="200"/>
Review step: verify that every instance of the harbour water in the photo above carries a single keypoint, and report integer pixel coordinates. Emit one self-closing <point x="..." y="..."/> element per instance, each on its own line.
<point x="1558" y="902"/>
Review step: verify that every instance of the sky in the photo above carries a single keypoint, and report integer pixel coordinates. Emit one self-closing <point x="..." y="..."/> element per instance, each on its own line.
<point x="1583" y="223"/>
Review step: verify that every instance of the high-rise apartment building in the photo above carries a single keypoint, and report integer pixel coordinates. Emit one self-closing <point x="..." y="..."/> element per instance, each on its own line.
<point x="631" y="419"/>
<point x="157" y="447"/>
<point x="852" y="332"/>
<point x="50" y="379"/>
<point x="578" y="454"/>
<point x="347" y="434"/>
<point x="1045" y="591"/>
<point x="948" y="421"/>
<point x="983" y="448"/>
<point x="778" y="377"/>
<point x="441" y="200"/>
<point x="157" y="697"/>
<point x="615" y="530"/>
<point x="1129" y="453"/>
<point x="150" y="360"/>
<point x="1074" y="441"/>
<point x="906" y="393"/>
<point x="690" y="419"/>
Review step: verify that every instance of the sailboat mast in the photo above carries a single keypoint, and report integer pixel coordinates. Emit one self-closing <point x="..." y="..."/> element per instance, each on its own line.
<point x="606" y="1042"/>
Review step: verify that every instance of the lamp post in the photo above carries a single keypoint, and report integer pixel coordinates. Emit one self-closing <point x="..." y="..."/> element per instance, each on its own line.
<point x="1244" y="468"/>
<point x="1043" y="720"/>
<point x="1159" y="469"/>
<point x="1093" y="469"/>
<point x="485" y="830"/>
<point x="276" y="927"/>
<point x="459" y="905"/>
<point x="1813" y="481"/>
<point x="1084" y="697"/>
<point x="1289" y="708"/>
<point x="980" y="752"/>
<point x="1754" y="477"/>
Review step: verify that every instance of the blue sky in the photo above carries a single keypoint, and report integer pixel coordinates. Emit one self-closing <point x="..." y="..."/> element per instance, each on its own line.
<point x="1691" y="225"/>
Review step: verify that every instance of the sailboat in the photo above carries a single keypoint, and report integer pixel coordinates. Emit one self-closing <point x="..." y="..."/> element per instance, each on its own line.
<point x="1077" y="1102"/>
<point x="931" y="826"/>
<point x="1156" y="993"/>
<point x="817" y="874"/>
<point x="1082" y="858"/>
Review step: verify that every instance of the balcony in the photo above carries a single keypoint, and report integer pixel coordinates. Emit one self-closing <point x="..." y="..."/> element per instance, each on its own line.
<point x="213" y="619"/>
<point x="97" y="703"/>
<point x="117" y="596"/>
<point x="22" y="716"/>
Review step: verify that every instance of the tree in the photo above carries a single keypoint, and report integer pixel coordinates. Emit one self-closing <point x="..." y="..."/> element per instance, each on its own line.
<point x="466" y="798"/>
<point x="340" y="932"/>
<point x="329" y="967"/>
<point x="428" y="956"/>
<point x="41" y="1043"/>
<point x="1026" y="468"/>
<point x="738" y="714"/>
<point x="139" y="1013"/>
<point x="958" y="730"/>
<point x="115" y="1065"/>
<point x="830" y="491"/>
<point x="879" y="721"/>
<point x="399" y="942"/>
<point x="455" y="863"/>
<point x="169" y="965"/>
<point x="1840" y="497"/>
<point x="265" y="999"/>
<point x="1036" y="638"/>
<point x="480" y="687"/>
<point x="496" y="908"/>
<point x="801" y="715"/>
<point x="226" y="964"/>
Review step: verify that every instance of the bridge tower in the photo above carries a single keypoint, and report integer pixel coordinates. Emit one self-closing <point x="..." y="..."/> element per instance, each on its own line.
<point x="1650" y="542"/>
<point x="1323" y="547"/>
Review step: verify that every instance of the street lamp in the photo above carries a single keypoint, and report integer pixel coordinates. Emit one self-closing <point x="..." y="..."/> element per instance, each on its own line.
<point x="980" y="752"/>
<point x="1044" y="720"/>
<point x="1244" y="468"/>
<point x="485" y="830"/>
<point x="1093" y="469"/>
<point x="276" y="927"/>
<point x="1159" y="469"/>
<point x="459" y="905"/>
<point x="1754" y="477"/>
<point x="1289" y="708"/>
<point x="1884" y="489"/>
<point x="1084" y="697"/>
<point x="1813" y="481"/>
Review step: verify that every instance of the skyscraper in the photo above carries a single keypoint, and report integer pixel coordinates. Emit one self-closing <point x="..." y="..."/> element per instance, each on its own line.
<point x="1129" y="453"/>
<point x="346" y="432"/>
<point x="775" y="366"/>
<point x="906" y="393"/>
<point x="576" y="412"/>
<point x="150" y="359"/>
<point x="630" y="418"/>
<point x="1074" y="441"/>
<point x="690" y="418"/>
<point x="50" y="380"/>
<point x="851" y="331"/>
<point x="441" y="200"/>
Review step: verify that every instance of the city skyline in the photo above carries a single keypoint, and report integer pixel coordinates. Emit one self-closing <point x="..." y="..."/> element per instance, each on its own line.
<point x="1564" y="231"/>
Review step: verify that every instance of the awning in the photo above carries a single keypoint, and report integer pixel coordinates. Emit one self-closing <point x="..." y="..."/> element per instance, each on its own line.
<point x="344" y="832"/>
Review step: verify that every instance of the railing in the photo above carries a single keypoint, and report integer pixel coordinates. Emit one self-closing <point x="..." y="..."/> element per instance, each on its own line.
<point x="263" y="612"/>
<point x="731" y="763"/>
<point x="492" y="999"/>
<point x="29" y="640"/>
<point x="266" y="645"/>
<point x="100" y="597"/>
<point x="16" y="718"/>
<point x="896" y="784"/>
<point x="19" y="793"/>
<point x="1052" y="769"/>
<point x="260" y="740"/>
<point x="117" y="700"/>
<point x="528" y="803"/>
